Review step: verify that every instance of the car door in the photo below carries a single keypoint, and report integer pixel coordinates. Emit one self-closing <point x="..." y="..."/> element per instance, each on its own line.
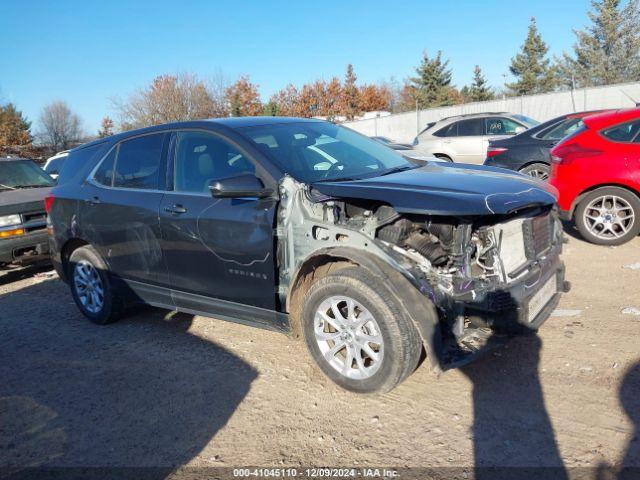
<point x="219" y="251"/>
<point x="499" y="127"/>
<point x="119" y="214"/>
<point x="468" y="144"/>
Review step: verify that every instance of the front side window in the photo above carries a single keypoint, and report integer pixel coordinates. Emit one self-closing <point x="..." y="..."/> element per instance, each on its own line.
<point x="22" y="174"/>
<point x="470" y="128"/>
<point x="202" y="157"/>
<point x="138" y="162"/>
<point x="566" y="127"/>
<point x="500" y="126"/>
<point x="315" y="151"/>
<point x="623" y="133"/>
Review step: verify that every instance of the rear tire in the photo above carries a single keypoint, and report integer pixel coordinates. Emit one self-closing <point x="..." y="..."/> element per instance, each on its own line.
<point x="608" y="216"/>
<point x="91" y="287"/>
<point x="358" y="333"/>
<point x="537" y="170"/>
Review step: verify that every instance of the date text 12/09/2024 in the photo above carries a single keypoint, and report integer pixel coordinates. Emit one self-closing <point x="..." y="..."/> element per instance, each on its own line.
<point x="315" y="473"/>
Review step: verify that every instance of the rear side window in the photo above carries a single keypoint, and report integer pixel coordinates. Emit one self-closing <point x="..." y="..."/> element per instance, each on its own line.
<point x="104" y="174"/>
<point x="138" y="162"/>
<point x="470" y="128"/>
<point x="623" y="133"/>
<point x="567" y="127"/>
<point x="448" y="131"/>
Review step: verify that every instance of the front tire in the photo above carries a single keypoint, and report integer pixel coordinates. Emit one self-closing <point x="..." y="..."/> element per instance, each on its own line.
<point x="608" y="216"/>
<point x="358" y="333"/>
<point x="91" y="287"/>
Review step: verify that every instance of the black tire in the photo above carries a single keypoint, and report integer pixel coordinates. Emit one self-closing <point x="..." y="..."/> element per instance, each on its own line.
<point x="402" y="343"/>
<point x="537" y="170"/>
<point x="111" y="308"/>
<point x="581" y="222"/>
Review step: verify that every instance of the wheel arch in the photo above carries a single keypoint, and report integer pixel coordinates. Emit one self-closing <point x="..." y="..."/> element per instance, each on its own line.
<point x="65" y="253"/>
<point x="420" y="309"/>
<point x="592" y="188"/>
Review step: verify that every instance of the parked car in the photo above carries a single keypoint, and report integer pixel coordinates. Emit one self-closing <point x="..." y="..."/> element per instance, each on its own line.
<point x="528" y="152"/>
<point x="53" y="165"/>
<point x="597" y="172"/>
<point x="309" y="228"/>
<point x="465" y="138"/>
<point x="391" y="144"/>
<point x="23" y="229"/>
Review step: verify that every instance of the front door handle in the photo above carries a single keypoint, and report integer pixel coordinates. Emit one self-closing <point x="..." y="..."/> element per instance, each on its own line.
<point x="175" y="209"/>
<point x="92" y="201"/>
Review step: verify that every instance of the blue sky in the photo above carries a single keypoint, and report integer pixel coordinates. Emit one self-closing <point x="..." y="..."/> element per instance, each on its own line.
<point x="88" y="52"/>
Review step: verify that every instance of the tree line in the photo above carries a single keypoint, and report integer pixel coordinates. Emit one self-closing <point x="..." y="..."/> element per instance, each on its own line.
<point x="605" y="52"/>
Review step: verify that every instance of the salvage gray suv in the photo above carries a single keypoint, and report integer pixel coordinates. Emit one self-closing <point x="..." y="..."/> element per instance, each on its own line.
<point x="310" y="229"/>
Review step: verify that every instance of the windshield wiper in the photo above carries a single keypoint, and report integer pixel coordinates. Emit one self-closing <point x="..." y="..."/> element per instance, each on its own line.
<point x="6" y="187"/>
<point x="398" y="169"/>
<point x="31" y="186"/>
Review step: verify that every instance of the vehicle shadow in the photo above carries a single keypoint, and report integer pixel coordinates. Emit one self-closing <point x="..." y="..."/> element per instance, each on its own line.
<point x="20" y="273"/>
<point x="143" y="393"/>
<point x="630" y="400"/>
<point x="512" y="433"/>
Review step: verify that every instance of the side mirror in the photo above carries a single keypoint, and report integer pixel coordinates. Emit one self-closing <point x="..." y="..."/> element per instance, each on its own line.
<point x="519" y="129"/>
<point x="243" y="185"/>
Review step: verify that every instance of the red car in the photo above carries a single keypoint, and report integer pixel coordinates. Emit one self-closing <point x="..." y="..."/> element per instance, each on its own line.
<point x="597" y="173"/>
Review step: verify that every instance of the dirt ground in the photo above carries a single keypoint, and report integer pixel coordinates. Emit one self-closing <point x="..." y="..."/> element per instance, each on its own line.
<point x="165" y="391"/>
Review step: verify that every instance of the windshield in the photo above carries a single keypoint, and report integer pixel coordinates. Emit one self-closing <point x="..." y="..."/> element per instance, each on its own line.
<point x="529" y="122"/>
<point x="22" y="174"/>
<point x="312" y="152"/>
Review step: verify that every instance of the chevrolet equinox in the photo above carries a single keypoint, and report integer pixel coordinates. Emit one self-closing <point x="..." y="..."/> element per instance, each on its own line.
<point x="308" y="228"/>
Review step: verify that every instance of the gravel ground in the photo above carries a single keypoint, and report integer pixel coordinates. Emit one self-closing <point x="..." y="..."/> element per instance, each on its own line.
<point x="168" y="390"/>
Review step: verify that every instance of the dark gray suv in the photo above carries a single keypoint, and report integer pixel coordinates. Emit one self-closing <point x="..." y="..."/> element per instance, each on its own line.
<point x="308" y="228"/>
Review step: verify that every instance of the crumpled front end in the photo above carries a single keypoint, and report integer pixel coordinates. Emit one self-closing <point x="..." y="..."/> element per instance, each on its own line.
<point x="487" y="276"/>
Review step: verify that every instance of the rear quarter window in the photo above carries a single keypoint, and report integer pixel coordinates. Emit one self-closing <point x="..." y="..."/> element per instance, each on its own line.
<point x="626" y="132"/>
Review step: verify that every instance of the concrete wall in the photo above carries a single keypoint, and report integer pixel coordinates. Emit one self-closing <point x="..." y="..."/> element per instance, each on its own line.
<point x="403" y="127"/>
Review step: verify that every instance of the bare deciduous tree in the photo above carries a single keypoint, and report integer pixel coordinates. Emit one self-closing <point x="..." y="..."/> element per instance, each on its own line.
<point x="172" y="98"/>
<point x="60" y="127"/>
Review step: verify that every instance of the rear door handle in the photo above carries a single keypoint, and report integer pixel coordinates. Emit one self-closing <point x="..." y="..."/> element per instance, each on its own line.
<point x="175" y="209"/>
<point x="92" y="201"/>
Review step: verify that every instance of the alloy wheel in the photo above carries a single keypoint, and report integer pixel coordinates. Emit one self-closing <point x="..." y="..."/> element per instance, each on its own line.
<point x="609" y="217"/>
<point x="348" y="337"/>
<point x="88" y="286"/>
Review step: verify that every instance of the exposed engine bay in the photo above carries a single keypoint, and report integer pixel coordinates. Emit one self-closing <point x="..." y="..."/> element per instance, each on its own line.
<point x="478" y="271"/>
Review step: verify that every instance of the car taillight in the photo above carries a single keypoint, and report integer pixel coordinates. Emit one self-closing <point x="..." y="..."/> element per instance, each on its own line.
<point x="564" y="154"/>
<point x="493" y="151"/>
<point x="48" y="203"/>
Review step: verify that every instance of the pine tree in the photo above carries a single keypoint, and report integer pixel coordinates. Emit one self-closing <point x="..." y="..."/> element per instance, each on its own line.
<point x="350" y="101"/>
<point x="607" y="51"/>
<point x="478" y="91"/>
<point x="106" y="128"/>
<point x="432" y="87"/>
<point x="14" y="127"/>
<point x="533" y="71"/>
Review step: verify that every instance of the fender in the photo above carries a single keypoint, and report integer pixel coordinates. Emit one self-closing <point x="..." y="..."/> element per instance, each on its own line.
<point x="403" y="286"/>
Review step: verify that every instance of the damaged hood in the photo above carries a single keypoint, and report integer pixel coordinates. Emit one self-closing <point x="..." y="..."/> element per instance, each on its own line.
<point x="447" y="189"/>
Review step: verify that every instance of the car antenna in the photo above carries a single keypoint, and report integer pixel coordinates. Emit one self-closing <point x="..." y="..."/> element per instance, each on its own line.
<point x="630" y="98"/>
